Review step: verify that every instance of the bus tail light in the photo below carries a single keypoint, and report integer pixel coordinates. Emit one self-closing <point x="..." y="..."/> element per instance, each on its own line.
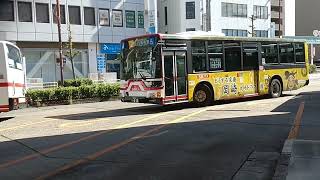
<point x="123" y="85"/>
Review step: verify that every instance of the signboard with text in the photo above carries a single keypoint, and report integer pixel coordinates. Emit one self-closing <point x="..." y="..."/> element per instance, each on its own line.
<point x="110" y="48"/>
<point x="117" y="18"/>
<point x="130" y="19"/>
<point x="101" y="63"/>
<point x="104" y="17"/>
<point x="140" y="19"/>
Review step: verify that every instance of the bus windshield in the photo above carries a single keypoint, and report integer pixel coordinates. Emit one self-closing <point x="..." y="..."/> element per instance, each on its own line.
<point x="141" y="62"/>
<point x="14" y="57"/>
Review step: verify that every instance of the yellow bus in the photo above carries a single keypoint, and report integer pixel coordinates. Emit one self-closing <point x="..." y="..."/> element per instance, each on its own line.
<point x="174" y="68"/>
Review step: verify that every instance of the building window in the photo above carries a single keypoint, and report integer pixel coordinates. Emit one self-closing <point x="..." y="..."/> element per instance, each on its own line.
<point x="215" y="56"/>
<point x="261" y="33"/>
<point x="276" y="8"/>
<point x="89" y="16"/>
<point x="233" y="10"/>
<point x="190" y="10"/>
<point x="260" y="12"/>
<point x="130" y="19"/>
<point x="165" y="15"/>
<point x="199" y="59"/>
<point x="6" y="11"/>
<point x="191" y="29"/>
<point x="286" y="53"/>
<point x="235" y="32"/>
<point x="269" y="53"/>
<point x="299" y="51"/>
<point x="104" y="17"/>
<point x="62" y="14"/>
<point x="42" y="12"/>
<point x="25" y="11"/>
<point x="74" y="15"/>
<point x="278" y="33"/>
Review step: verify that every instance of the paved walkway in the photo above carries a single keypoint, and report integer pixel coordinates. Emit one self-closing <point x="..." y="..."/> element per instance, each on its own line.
<point x="304" y="163"/>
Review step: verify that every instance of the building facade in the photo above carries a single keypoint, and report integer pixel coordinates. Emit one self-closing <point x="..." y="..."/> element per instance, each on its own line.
<point x="283" y="17"/>
<point x="308" y="26"/>
<point x="96" y="26"/>
<point x="231" y="17"/>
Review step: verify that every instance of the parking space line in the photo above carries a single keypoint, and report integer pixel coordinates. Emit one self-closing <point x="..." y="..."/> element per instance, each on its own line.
<point x="67" y="144"/>
<point x="25" y="125"/>
<point x="118" y="145"/>
<point x="294" y="132"/>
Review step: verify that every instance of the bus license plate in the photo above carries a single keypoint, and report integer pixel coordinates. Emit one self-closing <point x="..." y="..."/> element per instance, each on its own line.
<point x="137" y="94"/>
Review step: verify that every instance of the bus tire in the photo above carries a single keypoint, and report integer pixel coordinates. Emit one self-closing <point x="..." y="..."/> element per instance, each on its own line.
<point x="11" y="104"/>
<point x="275" y="88"/>
<point x="202" y="96"/>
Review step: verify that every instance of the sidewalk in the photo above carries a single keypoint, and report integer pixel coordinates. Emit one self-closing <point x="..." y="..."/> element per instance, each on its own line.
<point x="305" y="160"/>
<point x="302" y="155"/>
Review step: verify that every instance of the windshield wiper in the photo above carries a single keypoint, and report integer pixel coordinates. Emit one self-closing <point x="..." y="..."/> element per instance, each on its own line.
<point x="142" y="76"/>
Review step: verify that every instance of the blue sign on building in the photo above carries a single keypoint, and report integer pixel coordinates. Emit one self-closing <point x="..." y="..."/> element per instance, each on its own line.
<point x="110" y="48"/>
<point x="101" y="64"/>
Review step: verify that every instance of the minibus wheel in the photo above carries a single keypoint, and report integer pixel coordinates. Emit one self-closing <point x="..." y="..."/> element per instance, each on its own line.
<point x="275" y="88"/>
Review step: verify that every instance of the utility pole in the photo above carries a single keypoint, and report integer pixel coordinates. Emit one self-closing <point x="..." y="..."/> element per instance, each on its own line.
<point x="208" y="17"/>
<point x="280" y="8"/>
<point x="58" y="13"/>
<point x="252" y="18"/>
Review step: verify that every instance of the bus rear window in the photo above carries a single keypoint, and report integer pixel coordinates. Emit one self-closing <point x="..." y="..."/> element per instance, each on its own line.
<point x="14" y="57"/>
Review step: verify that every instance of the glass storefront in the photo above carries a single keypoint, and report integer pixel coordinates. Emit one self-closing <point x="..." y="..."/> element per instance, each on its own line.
<point x="42" y="63"/>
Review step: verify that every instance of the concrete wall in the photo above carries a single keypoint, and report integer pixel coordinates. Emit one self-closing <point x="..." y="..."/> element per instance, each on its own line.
<point x="307" y="17"/>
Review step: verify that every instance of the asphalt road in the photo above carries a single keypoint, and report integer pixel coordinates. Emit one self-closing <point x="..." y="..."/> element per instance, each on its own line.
<point x="114" y="140"/>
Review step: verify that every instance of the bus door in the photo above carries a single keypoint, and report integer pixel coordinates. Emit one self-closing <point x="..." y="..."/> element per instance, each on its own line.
<point x="175" y="76"/>
<point x="251" y="65"/>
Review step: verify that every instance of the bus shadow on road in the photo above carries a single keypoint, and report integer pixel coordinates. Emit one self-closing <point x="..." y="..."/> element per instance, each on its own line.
<point x="191" y="150"/>
<point x="184" y="150"/>
<point x="5" y="118"/>
<point x="145" y="110"/>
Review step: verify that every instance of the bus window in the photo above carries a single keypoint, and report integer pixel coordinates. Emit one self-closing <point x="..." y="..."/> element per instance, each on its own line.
<point x="14" y="57"/>
<point x="269" y="53"/>
<point x="250" y="56"/>
<point x="299" y="50"/>
<point x="286" y="53"/>
<point x="232" y="56"/>
<point x="215" y="56"/>
<point x="199" y="60"/>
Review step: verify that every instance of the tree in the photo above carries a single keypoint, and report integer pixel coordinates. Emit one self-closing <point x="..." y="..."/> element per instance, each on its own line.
<point x="70" y="52"/>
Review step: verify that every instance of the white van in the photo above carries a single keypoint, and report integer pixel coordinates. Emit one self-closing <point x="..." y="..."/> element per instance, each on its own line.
<point x="12" y="77"/>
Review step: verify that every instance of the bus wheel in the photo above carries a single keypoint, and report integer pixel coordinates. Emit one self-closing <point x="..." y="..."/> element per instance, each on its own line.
<point x="275" y="89"/>
<point x="202" y="95"/>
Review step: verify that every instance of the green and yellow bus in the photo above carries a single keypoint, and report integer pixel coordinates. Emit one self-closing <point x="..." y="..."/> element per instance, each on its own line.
<point x="167" y="69"/>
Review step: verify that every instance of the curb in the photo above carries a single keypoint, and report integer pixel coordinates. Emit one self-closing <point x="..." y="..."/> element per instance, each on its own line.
<point x="282" y="167"/>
